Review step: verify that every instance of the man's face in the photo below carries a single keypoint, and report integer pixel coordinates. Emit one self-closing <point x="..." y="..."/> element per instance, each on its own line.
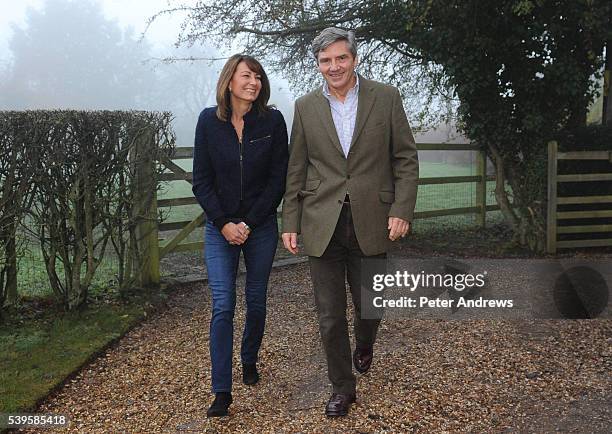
<point x="337" y="65"/>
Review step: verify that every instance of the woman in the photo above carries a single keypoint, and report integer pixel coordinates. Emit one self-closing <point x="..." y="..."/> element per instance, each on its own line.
<point x="239" y="170"/>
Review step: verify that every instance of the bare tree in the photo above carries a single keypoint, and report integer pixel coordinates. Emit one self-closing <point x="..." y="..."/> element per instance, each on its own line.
<point x="281" y="32"/>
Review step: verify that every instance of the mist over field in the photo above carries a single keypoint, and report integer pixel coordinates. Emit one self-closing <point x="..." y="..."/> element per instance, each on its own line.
<point x="91" y="55"/>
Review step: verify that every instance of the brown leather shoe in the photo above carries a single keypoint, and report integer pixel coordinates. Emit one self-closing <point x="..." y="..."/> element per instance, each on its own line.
<point x="362" y="359"/>
<point x="339" y="404"/>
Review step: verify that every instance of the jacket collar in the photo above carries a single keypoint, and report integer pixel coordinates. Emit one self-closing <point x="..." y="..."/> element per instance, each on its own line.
<point x="365" y="103"/>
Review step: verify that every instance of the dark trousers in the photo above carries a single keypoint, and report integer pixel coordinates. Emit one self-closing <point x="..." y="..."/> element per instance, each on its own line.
<point x="341" y="262"/>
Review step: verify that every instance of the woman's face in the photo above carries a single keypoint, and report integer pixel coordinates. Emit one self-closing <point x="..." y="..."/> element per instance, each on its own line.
<point x="245" y="84"/>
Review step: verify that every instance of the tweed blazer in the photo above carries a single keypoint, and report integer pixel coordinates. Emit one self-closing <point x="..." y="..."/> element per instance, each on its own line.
<point x="380" y="173"/>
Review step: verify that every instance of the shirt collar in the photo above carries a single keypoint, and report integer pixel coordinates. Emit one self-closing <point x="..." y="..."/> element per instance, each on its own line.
<point x="355" y="88"/>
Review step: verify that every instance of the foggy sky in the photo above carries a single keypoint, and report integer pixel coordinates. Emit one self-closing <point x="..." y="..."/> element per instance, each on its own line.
<point x="161" y="36"/>
<point x="127" y="12"/>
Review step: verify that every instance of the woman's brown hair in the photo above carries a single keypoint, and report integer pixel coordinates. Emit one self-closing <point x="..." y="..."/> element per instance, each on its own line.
<point x="223" y="94"/>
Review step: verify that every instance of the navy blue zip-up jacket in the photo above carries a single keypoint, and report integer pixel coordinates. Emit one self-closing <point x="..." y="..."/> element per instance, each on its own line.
<point x="240" y="180"/>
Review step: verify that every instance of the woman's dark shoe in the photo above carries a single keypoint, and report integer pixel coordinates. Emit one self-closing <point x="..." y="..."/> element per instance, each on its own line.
<point x="220" y="405"/>
<point x="250" y="375"/>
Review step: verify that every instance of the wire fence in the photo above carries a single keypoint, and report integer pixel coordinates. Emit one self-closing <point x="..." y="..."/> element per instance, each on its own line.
<point x="32" y="277"/>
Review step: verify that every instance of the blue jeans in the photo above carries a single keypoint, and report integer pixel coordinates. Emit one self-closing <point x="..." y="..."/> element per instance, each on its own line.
<point x="222" y="264"/>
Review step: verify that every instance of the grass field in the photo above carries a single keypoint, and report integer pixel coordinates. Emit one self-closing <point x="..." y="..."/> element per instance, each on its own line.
<point x="33" y="280"/>
<point x="430" y="197"/>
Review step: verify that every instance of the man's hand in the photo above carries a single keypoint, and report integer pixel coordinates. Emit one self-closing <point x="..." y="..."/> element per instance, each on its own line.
<point x="290" y="242"/>
<point x="235" y="234"/>
<point x="397" y="228"/>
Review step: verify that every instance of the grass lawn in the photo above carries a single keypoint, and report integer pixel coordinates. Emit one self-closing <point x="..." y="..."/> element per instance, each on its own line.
<point x="37" y="354"/>
<point x="430" y="197"/>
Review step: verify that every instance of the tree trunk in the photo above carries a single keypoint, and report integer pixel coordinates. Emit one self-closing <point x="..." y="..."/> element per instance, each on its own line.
<point x="11" y="269"/>
<point x="524" y="218"/>
<point x="501" y="195"/>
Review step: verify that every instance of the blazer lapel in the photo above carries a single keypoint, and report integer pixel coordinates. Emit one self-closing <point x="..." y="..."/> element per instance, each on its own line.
<point x="324" y="111"/>
<point x="364" y="107"/>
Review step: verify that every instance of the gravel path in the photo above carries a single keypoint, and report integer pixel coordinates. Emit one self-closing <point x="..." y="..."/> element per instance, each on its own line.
<point x="427" y="376"/>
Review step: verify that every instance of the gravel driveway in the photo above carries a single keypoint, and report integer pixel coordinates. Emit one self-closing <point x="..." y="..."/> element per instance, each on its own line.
<point x="427" y="376"/>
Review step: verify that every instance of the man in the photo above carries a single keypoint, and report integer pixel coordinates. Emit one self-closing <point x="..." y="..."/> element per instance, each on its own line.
<point x="351" y="190"/>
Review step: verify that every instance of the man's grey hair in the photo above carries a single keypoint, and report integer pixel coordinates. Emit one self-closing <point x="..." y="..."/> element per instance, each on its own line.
<point x="331" y="35"/>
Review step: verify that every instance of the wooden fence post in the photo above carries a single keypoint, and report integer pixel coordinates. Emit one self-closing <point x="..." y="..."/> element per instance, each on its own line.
<point x="146" y="206"/>
<point x="551" y="215"/>
<point x="8" y="285"/>
<point x="11" y="274"/>
<point x="481" y="187"/>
